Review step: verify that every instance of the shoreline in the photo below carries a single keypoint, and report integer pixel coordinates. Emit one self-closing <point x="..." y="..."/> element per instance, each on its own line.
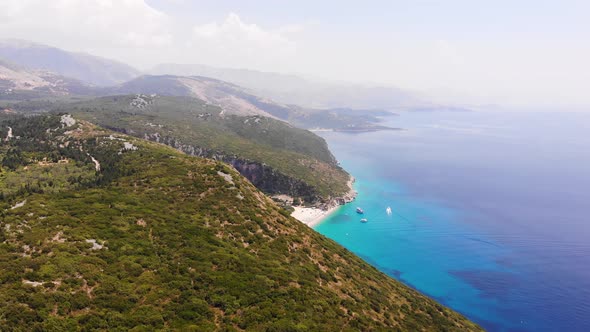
<point x="368" y="129"/>
<point x="312" y="216"/>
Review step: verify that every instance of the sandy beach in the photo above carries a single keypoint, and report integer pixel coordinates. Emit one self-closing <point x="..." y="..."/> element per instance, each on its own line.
<point x="311" y="216"/>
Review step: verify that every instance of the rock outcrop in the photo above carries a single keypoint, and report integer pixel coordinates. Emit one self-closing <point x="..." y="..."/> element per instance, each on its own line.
<point x="347" y="198"/>
<point x="264" y="177"/>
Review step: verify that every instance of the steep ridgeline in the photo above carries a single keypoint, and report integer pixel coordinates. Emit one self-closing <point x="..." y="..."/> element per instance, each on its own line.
<point x="108" y="232"/>
<point x="273" y="155"/>
<point x="232" y="98"/>
<point x="19" y="83"/>
<point x="237" y="100"/>
<point x="291" y="89"/>
<point x="83" y="67"/>
<point x="42" y="86"/>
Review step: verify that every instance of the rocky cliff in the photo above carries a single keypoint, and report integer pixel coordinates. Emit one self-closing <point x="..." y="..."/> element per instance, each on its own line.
<point x="259" y="174"/>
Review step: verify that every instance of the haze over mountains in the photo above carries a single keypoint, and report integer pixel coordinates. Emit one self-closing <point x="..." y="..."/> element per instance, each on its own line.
<point x="282" y="88"/>
<point x="236" y="100"/>
<point x="238" y="125"/>
<point x="17" y="81"/>
<point x="199" y="116"/>
<point x="290" y="98"/>
<point x="84" y="67"/>
<point x="292" y="89"/>
<point x="232" y="98"/>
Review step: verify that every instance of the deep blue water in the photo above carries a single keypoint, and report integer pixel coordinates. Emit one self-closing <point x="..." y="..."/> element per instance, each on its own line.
<point x="491" y="213"/>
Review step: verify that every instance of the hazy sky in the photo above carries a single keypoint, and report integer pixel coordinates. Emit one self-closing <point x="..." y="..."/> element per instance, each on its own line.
<point x="507" y="52"/>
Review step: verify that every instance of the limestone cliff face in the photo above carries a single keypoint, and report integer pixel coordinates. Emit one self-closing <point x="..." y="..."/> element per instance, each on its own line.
<point x="262" y="176"/>
<point x="344" y="199"/>
<point x="270" y="181"/>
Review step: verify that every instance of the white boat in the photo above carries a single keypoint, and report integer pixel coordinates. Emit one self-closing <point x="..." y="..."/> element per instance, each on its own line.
<point x="364" y="220"/>
<point x="359" y="210"/>
<point x="388" y="210"/>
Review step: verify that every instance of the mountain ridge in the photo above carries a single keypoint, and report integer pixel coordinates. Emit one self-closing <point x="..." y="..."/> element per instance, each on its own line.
<point x="277" y="157"/>
<point x="91" y="76"/>
<point x="293" y="89"/>
<point x="88" y="68"/>
<point x="18" y="82"/>
<point x="235" y="99"/>
<point x="154" y="239"/>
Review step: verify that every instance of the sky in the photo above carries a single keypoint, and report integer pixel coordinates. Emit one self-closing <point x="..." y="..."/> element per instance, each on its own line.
<point x="517" y="52"/>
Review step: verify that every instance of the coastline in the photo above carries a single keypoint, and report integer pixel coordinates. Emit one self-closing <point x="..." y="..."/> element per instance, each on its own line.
<point x="361" y="129"/>
<point x="312" y="216"/>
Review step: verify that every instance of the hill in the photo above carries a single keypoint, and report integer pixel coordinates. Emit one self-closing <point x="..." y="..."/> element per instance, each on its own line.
<point x="110" y="232"/>
<point x="235" y="99"/>
<point x="18" y="83"/>
<point x="293" y="89"/>
<point x="83" y="67"/>
<point x="232" y="98"/>
<point x="277" y="157"/>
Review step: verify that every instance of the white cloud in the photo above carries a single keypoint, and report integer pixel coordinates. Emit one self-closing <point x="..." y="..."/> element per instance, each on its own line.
<point x="134" y="32"/>
<point x="90" y="24"/>
<point x="293" y="28"/>
<point x="448" y="52"/>
<point x="234" y="42"/>
<point x="233" y="29"/>
<point x="490" y="63"/>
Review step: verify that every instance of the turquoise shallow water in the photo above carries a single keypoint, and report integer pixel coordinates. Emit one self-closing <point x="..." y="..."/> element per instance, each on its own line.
<point x="484" y="219"/>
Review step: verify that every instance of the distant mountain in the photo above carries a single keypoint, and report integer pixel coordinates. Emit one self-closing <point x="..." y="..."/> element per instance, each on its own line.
<point x="275" y="156"/>
<point x="230" y="97"/>
<point x="291" y="89"/>
<point x="84" y="67"/>
<point x="234" y="99"/>
<point x="283" y="89"/>
<point x="16" y="83"/>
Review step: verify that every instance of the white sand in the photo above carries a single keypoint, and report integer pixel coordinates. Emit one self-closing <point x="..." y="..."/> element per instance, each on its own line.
<point x="311" y="216"/>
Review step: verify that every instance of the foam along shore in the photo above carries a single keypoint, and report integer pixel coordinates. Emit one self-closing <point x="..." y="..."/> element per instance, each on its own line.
<point x="311" y="216"/>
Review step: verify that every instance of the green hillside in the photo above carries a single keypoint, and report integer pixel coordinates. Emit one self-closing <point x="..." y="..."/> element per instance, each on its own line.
<point x="198" y="128"/>
<point x="112" y="233"/>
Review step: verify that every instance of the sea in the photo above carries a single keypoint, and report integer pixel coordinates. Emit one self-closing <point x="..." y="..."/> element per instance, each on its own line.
<point x="490" y="212"/>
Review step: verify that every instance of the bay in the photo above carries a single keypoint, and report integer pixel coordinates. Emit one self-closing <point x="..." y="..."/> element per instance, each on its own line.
<point x="490" y="212"/>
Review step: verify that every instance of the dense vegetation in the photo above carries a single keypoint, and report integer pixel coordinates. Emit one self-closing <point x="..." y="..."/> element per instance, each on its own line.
<point x="158" y="240"/>
<point x="185" y="122"/>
